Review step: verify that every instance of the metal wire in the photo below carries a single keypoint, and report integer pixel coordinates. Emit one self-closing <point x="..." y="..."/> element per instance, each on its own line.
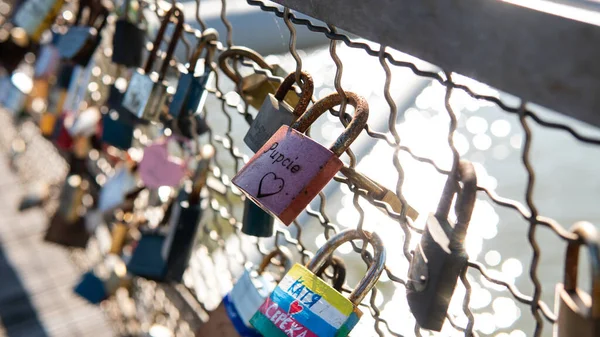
<point x="223" y="220"/>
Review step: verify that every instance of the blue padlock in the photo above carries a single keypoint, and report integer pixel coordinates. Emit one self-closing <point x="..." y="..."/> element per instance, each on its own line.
<point x="91" y="287"/>
<point x="146" y="260"/>
<point x="118" y="123"/>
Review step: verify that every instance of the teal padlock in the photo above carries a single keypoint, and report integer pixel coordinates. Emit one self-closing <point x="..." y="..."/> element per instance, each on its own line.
<point x="308" y="306"/>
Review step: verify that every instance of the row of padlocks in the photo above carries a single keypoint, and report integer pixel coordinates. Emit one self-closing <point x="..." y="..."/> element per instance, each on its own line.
<point x="287" y="171"/>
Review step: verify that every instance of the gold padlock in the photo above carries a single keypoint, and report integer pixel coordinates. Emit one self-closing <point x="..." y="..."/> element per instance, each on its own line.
<point x="578" y="312"/>
<point x="255" y="87"/>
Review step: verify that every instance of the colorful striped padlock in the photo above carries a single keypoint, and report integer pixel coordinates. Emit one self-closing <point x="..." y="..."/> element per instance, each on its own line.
<point x="303" y="305"/>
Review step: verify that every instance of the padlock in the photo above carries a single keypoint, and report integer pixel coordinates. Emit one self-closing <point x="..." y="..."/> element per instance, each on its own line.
<point x="255" y="87"/>
<point x="305" y="305"/>
<point x="113" y="192"/>
<point x="191" y="93"/>
<point x="291" y="168"/>
<point x="184" y="222"/>
<point x="102" y="282"/>
<point x="440" y="256"/>
<point x="67" y="225"/>
<point x="146" y="260"/>
<point x="157" y="168"/>
<point x="118" y="237"/>
<point x="146" y="96"/>
<point x="118" y="123"/>
<point x="91" y="288"/>
<point x="275" y="112"/>
<point x="578" y="312"/>
<point x="129" y="38"/>
<point x="35" y="16"/>
<point x="48" y="59"/>
<point x="232" y="316"/>
<point x="378" y="192"/>
<point x="257" y="222"/>
<point x="81" y="40"/>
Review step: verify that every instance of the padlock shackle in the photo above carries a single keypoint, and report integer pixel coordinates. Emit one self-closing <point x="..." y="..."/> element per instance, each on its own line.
<point x="375" y="269"/>
<point x="308" y="87"/>
<point x="354" y="128"/>
<point x="240" y="52"/>
<point x="178" y="14"/>
<point x="284" y="255"/>
<point x="587" y="235"/>
<point x="208" y="36"/>
<point x="465" y="201"/>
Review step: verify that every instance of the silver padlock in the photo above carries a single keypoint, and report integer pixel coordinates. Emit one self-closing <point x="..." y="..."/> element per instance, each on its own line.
<point x="275" y="112"/>
<point x="147" y="93"/>
<point x="578" y="312"/>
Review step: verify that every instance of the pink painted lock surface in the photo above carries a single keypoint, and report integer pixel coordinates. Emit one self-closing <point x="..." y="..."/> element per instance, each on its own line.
<point x="157" y="168"/>
<point x="291" y="169"/>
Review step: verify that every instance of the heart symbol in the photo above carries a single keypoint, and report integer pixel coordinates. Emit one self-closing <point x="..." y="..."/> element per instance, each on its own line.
<point x="272" y="185"/>
<point x="295" y="307"/>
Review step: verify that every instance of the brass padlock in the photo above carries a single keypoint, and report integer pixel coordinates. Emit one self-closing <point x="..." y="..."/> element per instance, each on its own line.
<point x="255" y="87"/>
<point x="440" y="256"/>
<point x="578" y="312"/>
<point x="146" y="94"/>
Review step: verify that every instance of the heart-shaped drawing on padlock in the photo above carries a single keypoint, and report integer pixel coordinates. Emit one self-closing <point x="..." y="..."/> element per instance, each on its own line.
<point x="295" y="307"/>
<point x="269" y="185"/>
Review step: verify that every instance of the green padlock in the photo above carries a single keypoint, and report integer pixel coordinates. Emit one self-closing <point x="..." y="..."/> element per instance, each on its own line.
<point x="304" y="305"/>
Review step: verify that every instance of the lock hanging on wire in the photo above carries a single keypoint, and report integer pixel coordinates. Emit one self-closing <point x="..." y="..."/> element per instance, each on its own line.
<point x="189" y="98"/>
<point x="81" y="40"/>
<point x="147" y="93"/>
<point x="291" y="169"/>
<point x="255" y="87"/>
<point x="275" y="112"/>
<point x="578" y="311"/>
<point x="257" y="222"/>
<point x="129" y="37"/>
<point x="307" y="305"/>
<point x="232" y="316"/>
<point x="440" y="257"/>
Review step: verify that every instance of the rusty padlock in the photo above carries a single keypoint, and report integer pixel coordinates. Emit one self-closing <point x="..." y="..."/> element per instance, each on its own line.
<point x="440" y="256"/>
<point x="578" y="312"/>
<point x="291" y="169"/>
<point x="275" y="112"/>
<point x="147" y="92"/>
<point x="255" y="87"/>
<point x="232" y="316"/>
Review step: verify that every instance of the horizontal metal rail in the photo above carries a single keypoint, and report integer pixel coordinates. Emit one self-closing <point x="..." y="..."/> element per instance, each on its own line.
<point x="539" y="56"/>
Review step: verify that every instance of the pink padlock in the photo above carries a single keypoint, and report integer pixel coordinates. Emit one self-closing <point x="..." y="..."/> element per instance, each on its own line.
<point x="288" y="172"/>
<point x="158" y="168"/>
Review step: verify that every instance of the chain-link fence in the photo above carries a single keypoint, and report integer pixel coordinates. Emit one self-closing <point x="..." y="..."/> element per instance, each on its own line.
<point x="423" y="121"/>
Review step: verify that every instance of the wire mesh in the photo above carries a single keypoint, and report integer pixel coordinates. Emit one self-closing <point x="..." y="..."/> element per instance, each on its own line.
<point x="403" y="161"/>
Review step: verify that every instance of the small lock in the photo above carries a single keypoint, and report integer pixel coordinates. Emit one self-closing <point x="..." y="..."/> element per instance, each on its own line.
<point x="190" y="96"/>
<point x="291" y="169"/>
<point x="118" y="123"/>
<point x="146" y="260"/>
<point x="184" y="223"/>
<point x="81" y="40"/>
<point x="305" y="304"/>
<point x="36" y="16"/>
<point x="578" y="312"/>
<point x="255" y="87"/>
<point x="157" y="168"/>
<point x="146" y="96"/>
<point x="257" y="222"/>
<point x="91" y="288"/>
<point x="102" y="282"/>
<point x="115" y="189"/>
<point x="47" y="61"/>
<point x="129" y="38"/>
<point x="232" y="316"/>
<point x="440" y="256"/>
<point x="275" y="112"/>
<point x="67" y="225"/>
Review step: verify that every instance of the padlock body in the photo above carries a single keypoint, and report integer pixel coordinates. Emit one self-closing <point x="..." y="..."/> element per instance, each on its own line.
<point x="308" y="306"/>
<point x="271" y="116"/>
<point x="178" y="246"/>
<point x="118" y="236"/>
<point x="188" y="102"/>
<point x="574" y="314"/>
<point x="146" y="260"/>
<point x="144" y="98"/>
<point x="128" y="44"/>
<point x="47" y="61"/>
<point x="91" y="288"/>
<point x="433" y="274"/>
<point x="78" y="44"/>
<point x="287" y="173"/>
<point x="36" y="16"/>
<point x="158" y="169"/>
<point x="257" y="222"/>
<point x="67" y="226"/>
<point x="115" y="132"/>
